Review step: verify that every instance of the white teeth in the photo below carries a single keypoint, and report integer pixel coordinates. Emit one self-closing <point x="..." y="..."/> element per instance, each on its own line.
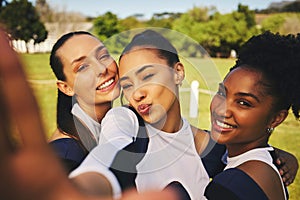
<point x="223" y="125"/>
<point x="106" y="84"/>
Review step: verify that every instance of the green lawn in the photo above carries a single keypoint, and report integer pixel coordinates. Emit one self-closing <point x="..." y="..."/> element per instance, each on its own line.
<point x="207" y="71"/>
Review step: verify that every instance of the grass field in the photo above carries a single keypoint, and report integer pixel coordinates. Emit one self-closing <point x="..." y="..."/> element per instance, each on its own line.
<point x="208" y="72"/>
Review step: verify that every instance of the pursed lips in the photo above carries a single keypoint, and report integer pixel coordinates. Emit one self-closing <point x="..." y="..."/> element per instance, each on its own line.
<point x="144" y="109"/>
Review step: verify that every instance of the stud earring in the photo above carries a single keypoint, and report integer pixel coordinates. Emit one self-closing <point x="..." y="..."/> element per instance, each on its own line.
<point x="270" y="130"/>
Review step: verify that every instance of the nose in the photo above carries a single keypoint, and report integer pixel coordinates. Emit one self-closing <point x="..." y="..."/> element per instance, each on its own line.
<point x="100" y="69"/>
<point x="139" y="94"/>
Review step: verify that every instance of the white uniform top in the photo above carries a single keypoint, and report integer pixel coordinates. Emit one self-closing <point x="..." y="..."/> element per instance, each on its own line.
<point x="170" y="156"/>
<point x="93" y="126"/>
<point x="260" y="154"/>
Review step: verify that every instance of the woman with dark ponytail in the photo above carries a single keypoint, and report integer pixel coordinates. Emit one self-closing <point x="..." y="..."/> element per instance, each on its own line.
<point x="87" y="79"/>
<point x="254" y="98"/>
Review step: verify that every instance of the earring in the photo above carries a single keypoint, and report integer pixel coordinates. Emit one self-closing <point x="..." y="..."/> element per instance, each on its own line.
<point x="270" y="130"/>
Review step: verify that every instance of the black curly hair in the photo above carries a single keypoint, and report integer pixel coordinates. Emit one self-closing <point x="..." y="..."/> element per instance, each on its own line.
<point x="277" y="57"/>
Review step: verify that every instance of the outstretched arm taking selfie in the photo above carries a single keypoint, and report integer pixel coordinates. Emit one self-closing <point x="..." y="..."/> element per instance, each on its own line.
<point x="29" y="168"/>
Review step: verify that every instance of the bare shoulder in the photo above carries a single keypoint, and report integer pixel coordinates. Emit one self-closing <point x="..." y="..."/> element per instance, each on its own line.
<point x="201" y="139"/>
<point x="265" y="176"/>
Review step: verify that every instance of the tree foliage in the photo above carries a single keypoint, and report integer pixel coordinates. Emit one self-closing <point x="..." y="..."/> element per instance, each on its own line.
<point x="273" y="23"/>
<point x="130" y="22"/>
<point x="106" y="25"/>
<point x="218" y="33"/>
<point x="284" y="23"/>
<point x="43" y="10"/>
<point x="22" y="21"/>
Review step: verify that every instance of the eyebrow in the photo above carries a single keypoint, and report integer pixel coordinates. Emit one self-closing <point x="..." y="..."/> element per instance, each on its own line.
<point x="242" y="94"/>
<point x="137" y="72"/>
<point x="98" y="49"/>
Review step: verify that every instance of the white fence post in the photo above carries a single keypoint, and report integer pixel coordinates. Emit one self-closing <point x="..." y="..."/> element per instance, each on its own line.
<point x="194" y="96"/>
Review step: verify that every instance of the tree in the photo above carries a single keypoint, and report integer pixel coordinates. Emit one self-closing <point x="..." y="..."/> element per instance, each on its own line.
<point x="249" y="15"/>
<point x="273" y="23"/>
<point x="106" y="25"/>
<point x="130" y="22"/>
<point x="43" y="10"/>
<point x="292" y="7"/>
<point x="22" y="22"/>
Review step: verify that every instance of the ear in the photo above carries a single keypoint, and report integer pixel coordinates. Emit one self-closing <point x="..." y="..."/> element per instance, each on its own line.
<point x="179" y="73"/>
<point x="65" y="88"/>
<point x="278" y="118"/>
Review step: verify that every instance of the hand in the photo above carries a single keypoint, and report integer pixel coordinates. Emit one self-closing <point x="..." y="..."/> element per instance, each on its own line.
<point x="30" y="170"/>
<point x="288" y="166"/>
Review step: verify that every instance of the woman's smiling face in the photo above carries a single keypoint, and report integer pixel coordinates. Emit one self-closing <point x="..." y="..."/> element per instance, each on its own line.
<point x="91" y="73"/>
<point x="241" y="111"/>
<point x="148" y="84"/>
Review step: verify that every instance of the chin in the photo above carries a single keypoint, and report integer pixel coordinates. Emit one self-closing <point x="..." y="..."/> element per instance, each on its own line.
<point x="216" y="136"/>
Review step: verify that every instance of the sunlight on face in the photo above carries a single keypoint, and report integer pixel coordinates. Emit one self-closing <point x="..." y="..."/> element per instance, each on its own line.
<point x="90" y="70"/>
<point x="241" y="111"/>
<point x="148" y="84"/>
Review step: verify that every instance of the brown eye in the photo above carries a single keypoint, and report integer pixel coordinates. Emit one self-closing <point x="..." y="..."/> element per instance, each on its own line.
<point x="244" y="103"/>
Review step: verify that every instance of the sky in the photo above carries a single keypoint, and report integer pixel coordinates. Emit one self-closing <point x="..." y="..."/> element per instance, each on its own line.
<point x="125" y="8"/>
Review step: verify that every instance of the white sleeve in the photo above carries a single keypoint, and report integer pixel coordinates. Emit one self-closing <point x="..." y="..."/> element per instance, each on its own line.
<point x="118" y="128"/>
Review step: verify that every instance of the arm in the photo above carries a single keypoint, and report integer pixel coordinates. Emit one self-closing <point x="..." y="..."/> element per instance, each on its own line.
<point x="119" y="127"/>
<point x="287" y="164"/>
<point x="212" y="158"/>
<point x="23" y="167"/>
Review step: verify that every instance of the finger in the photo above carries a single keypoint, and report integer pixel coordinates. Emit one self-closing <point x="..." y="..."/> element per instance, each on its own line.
<point x="18" y="96"/>
<point x="288" y="179"/>
<point x="289" y="182"/>
<point x="283" y="170"/>
<point x="278" y="161"/>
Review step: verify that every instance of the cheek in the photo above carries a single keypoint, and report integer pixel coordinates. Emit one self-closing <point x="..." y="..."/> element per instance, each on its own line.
<point x="212" y="104"/>
<point x="164" y="98"/>
<point x="113" y="67"/>
<point x="127" y="96"/>
<point x="85" y="82"/>
<point x="162" y="93"/>
<point x="215" y="103"/>
<point x="252" y="120"/>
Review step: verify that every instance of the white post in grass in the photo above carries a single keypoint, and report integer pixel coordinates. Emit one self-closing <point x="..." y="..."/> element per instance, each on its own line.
<point x="194" y="96"/>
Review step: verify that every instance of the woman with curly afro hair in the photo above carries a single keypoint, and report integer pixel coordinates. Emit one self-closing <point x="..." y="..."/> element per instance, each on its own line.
<point x="253" y="99"/>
